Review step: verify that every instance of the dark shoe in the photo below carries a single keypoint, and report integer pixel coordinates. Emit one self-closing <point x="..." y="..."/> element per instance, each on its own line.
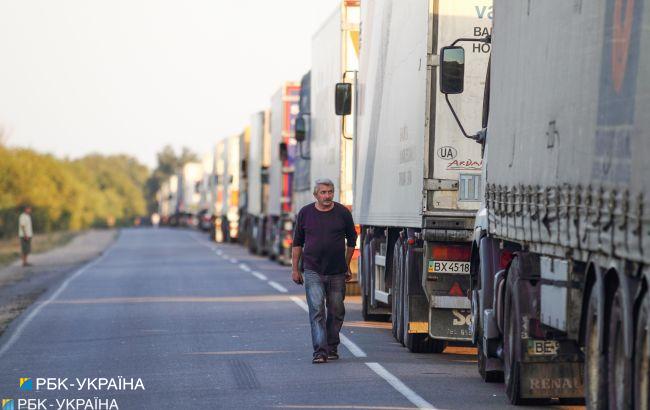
<point x="319" y="358"/>
<point x="333" y="355"/>
<point x="26" y="264"/>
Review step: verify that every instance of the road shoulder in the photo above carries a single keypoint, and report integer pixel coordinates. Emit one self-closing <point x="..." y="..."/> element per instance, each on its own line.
<point x="20" y="287"/>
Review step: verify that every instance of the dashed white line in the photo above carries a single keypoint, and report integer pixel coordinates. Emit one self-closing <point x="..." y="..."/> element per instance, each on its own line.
<point x="258" y="275"/>
<point x="233" y="260"/>
<point x="244" y="267"/>
<point x="300" y="303"/>
<point x="403" y="389"/>
<point x="351" y="346"/>
<point x="277" y="286"/>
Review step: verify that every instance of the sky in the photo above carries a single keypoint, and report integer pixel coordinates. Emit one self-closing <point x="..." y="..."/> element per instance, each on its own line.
<point x="131" y="76"/>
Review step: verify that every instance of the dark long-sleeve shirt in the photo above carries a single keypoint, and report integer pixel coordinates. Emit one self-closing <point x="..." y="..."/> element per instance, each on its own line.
<point x="323" y="236"/>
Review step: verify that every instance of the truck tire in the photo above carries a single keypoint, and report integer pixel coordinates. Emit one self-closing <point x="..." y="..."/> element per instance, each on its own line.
<point x="595" y="363"/>
<point x="619" y="376"/>
<point x="397" y="313"/>
<point x="511" y="343"/>
<point x="642" y="357"/>
<point x="494" y="376"/>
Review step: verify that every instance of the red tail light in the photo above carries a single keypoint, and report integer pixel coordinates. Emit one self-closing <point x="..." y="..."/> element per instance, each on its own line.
<point x="451" y="252"/>
<point x="506" y="258"/>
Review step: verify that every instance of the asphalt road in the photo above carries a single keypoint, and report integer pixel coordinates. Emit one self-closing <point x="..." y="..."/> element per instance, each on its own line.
<point x="166" y="319"/>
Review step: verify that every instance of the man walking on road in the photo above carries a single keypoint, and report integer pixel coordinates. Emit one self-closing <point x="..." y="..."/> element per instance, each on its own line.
<point x="25" y="234"/>
<point x="325" y="238"/>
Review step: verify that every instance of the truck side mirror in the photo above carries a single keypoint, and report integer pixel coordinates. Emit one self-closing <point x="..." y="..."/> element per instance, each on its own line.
<point x="452" y="70"/>
<point x="343" y="99"/>
<point x="300" y="129"/>
<point x="283" y="151"/>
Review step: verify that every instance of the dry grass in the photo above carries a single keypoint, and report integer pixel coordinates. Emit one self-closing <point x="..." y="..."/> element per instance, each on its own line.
<point x="10" y="248"/>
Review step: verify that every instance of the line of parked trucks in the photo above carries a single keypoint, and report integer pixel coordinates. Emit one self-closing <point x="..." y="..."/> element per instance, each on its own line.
<point x="499" y="182"/>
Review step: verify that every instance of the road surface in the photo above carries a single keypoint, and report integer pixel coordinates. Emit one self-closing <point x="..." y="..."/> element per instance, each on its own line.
<point x="165" y="319"/>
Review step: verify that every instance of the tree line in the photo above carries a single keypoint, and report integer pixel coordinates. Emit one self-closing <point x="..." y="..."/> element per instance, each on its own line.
<point x="93" y="191"/>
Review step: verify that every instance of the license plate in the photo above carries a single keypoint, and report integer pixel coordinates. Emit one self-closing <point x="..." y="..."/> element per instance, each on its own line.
<point x="448" y="267"/>
<point x="543" y="347"/>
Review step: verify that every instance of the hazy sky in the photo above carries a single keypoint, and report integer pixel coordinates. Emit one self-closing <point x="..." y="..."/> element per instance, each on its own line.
<point x="129" y="76"/>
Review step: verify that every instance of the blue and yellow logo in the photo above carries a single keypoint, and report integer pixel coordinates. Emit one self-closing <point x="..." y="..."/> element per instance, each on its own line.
<point x="7" y="404"/>
<point x="26" y="383"/>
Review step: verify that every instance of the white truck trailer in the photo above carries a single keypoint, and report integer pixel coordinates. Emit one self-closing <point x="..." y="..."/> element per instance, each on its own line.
<point x="259" y="160"/>
<point x="279" y="220"/>
<point x="560" y="268"/>
<point x="232" y="185"/>
<point x="302" y="184"/>
<point x="417" y="183"/>
<point x="220" y="233"/>
<point x="189" y="196"/>
<point x="335" y="59"/>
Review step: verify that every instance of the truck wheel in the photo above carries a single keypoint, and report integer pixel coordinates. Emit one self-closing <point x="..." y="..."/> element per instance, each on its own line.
<point x="642" y="358"/>
<point x="397" y="313"/>
<point x="595" y="363"/>
<point x="619" y="374"/>
<point x="510" y="347"/>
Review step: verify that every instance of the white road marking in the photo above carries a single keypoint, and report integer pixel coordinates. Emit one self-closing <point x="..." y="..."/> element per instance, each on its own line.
<point x="244" y="267"/>
<point x="277" y="286"/>
<point x="300" y="303"/>
<point x="21" y="327"/>
<point x="397" y="384"/>
<point x="349" y="344"/>
<point x="352" y="347"/>
<point x="233" y="260"/>
<point x="258" y="275"/>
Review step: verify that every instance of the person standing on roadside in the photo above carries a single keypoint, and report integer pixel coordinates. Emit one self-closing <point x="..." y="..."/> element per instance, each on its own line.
<point x="25" y="233"/>
<point x="325" y="238"/>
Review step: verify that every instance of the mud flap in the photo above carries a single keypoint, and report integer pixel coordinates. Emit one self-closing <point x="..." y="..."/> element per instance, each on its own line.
<point x="450" y="324"/>
<point x="552" y="380"/>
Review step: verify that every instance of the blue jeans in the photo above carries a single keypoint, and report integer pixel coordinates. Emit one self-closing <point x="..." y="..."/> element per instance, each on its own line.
<point x="325" y="293"/>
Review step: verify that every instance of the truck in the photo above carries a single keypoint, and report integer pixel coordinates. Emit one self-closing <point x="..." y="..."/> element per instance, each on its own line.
<point x="417" y="184"/>
<point x="302" y="184"/>
<point x="167" y="199"/>
<point x="257" y="166"/>
<point x="335" y="58"/>
<point x="234" y="184"/>
<point x="220" y="211"/>
<point x="560" y="258"/>
<point x="279" y="220"/>
<point x="189" y="197"/>
<point x="205" y="193"/>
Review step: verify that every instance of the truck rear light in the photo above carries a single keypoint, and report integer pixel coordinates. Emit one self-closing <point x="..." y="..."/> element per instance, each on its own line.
<point x="506" y="258"/>
<point x="456" y="290"/>
<point x="451" y="252"/>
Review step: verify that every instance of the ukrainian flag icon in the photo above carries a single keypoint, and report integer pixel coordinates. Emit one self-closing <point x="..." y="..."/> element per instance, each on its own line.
<point x="26" y="383"/>
<point x="7" y="404"/>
